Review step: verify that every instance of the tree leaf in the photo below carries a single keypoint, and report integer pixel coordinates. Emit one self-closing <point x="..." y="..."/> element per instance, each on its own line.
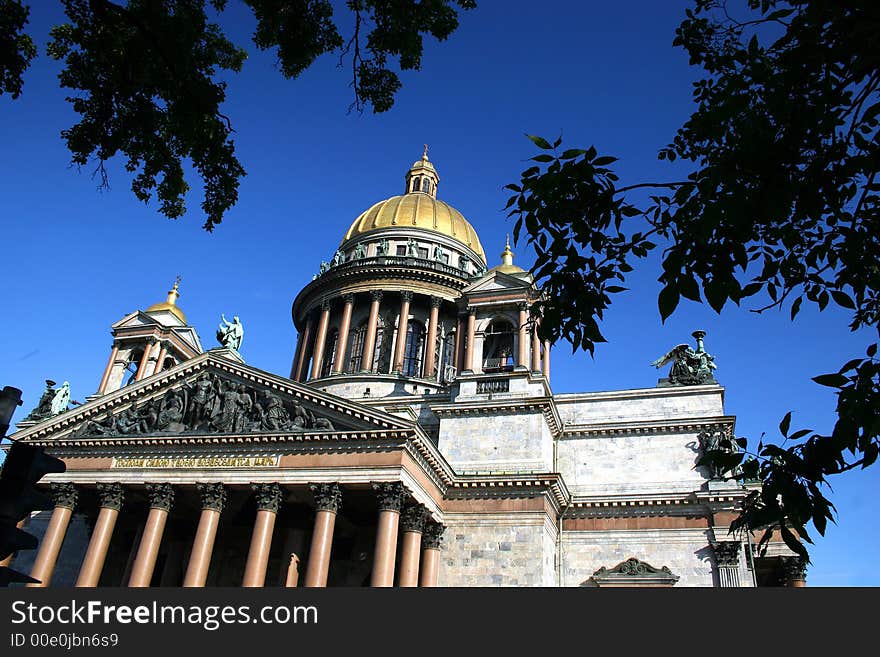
<point x="540" y="142"/>
<point x="785" y="424"/>
<point x="667" y="301"/>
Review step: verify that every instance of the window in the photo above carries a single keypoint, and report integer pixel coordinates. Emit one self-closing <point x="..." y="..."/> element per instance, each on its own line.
<point x="423" y="252"/>
<point x="415" y="184"/>
<point x="330" y="352"/>
<point x="498" y="346"/>
<point x="426" y="185"/>
<point x="415" y="347"/>
<point x="401" y="249"/>
<point x="356" y="348"/>
<point x="132" y="367"/>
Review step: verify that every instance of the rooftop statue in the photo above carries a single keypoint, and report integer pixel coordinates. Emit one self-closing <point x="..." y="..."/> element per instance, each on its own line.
<point x="61" y="400"/>
<point x="338" y="258"/>
<point x="43" y="408"/>
<point x="230" y="334"/>
<point x="689" y="367"/>
<point x="411" y="249"/>
<point x="360" y="251"/>
<point x="382" y="247"/>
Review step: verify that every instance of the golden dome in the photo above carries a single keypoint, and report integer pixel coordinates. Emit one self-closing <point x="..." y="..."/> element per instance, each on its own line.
<point x="169" y="304"/>
<point x="507" y="266"/>
<point x="417" y="210"/>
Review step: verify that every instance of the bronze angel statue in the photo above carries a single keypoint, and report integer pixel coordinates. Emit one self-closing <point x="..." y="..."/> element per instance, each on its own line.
<point x="689" y="367"/>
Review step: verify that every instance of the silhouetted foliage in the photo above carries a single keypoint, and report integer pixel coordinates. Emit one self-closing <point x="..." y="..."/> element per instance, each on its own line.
<point x="145" y="77"/>
<point x="781" y="204"/>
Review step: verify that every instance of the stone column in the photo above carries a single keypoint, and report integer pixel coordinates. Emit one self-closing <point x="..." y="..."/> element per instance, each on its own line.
<point x="431" y="553"/>
<point x="412" y="523"/>
<point x="536" y="350"/>
<point x="268" y="502"/>
<point x="142" y="366"/>
<point x="370" y="338"/>
<point x="292" y="579"/>
<point x="402" y="325"/>
<point x="727" y="559"/>
<point x="522" y="356"/>
<point x="106" y="378"/>
<point x="547" y="359"/>
<point x="64" y="495"/>
<point x="794" y="571"/>
<point x="344" y="325"/>
<point x="163" y="351"/>
<point x="110" y="497"/>
<point x="161" y="499"/>
<point x="213" y="500"/>
<point x="320" y="339"/>
<point x="430" y="343"/>
<point x="390" y="497"/>
<point x="459" y="344"/>
<point x="471" y="336"/>
<point x="300" y="365"/>
<point x="327" y="499"/>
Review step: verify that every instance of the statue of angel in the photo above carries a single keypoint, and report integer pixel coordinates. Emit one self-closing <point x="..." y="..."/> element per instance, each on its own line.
<point x="61" y="399"/>
<point x="689" y="367"/>
<point x="230" y="334"/>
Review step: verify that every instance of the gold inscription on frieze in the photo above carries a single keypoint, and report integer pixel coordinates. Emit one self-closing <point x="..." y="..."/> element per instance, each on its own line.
<point x="198" y="462"/>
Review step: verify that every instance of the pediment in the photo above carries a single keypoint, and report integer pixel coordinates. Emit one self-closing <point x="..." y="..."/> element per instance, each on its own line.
<point x="210" y="394"/>
<point x="632" y="572"/>
<point x="495" y="281"/>
<point x="135" y="320"/>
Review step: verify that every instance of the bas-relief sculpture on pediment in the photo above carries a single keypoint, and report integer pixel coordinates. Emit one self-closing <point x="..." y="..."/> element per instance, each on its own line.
<point x="209" y="403"/>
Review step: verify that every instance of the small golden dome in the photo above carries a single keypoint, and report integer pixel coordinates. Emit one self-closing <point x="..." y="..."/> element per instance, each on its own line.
<point x="170" y="304"/>
<point x="417" y="210"/>
<point x="507" y="266"/>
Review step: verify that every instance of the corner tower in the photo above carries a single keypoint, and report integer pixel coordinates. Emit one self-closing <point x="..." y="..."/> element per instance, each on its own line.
<point x="149" y="341"/>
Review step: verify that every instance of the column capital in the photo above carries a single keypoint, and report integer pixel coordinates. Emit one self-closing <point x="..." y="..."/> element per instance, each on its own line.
<point x="117" y="344"/>
<point x="161" y="496"/>
<point x="325" y="305"/>
<point x="328" y="497"/>
<point x="348" y="298"/>
<point x="64" y="494"/>
<point x="390" y="495"/>
<point x="471" y="310"/>
<point x="376" y="295"/>
<point x="432" y="535"/>
<point x="151" y="340"/>
<point x="413" y="518"/>
<point x="406" y="295"/>
<point x="436" y="302"/>
<point x="794" y="568"/>
<point x="268" y="497"/>
<point x="167" y="344"/>
<point x="523" y="306"/>
<point x="110" y="496"/>
<point x="213" y="496"/>
<point x="727" y="553"/>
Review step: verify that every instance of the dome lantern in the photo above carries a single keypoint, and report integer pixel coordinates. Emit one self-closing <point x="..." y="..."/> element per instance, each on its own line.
<point x="422" y="177"/>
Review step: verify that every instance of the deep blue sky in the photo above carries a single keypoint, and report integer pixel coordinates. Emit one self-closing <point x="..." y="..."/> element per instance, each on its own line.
<point x="77" y="260"/>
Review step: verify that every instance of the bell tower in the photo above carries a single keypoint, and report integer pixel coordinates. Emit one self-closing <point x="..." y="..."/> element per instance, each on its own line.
<point x="149" y="341"/>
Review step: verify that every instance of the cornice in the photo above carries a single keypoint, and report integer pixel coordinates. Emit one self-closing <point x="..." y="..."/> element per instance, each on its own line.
<point x="483" y="486"/>
<point x="544" y="404"/>
<point x="678" y="425"/>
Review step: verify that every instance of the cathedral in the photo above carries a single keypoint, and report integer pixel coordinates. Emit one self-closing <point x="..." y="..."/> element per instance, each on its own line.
<point x="416" y="441"/>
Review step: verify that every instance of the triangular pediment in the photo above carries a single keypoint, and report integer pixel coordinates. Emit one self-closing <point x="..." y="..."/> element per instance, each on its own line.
<point x="136" y="319"/>
<point x="494" y="281"/>
<point x="210" y="394"/>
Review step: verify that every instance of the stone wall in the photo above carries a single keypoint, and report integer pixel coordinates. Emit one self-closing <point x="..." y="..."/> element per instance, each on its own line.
<point x="603" y="465"/>
<point x="685" y="551"/>
<point x="505" y="549"/>
<point x="499" y="442"/>
<point x="647" y="404"/>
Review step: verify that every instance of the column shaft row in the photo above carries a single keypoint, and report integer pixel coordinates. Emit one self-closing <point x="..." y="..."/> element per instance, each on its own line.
<point x="269" y="497"/>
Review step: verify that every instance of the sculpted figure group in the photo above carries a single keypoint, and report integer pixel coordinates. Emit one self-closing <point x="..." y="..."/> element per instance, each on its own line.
<point x="209" y="405"/>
